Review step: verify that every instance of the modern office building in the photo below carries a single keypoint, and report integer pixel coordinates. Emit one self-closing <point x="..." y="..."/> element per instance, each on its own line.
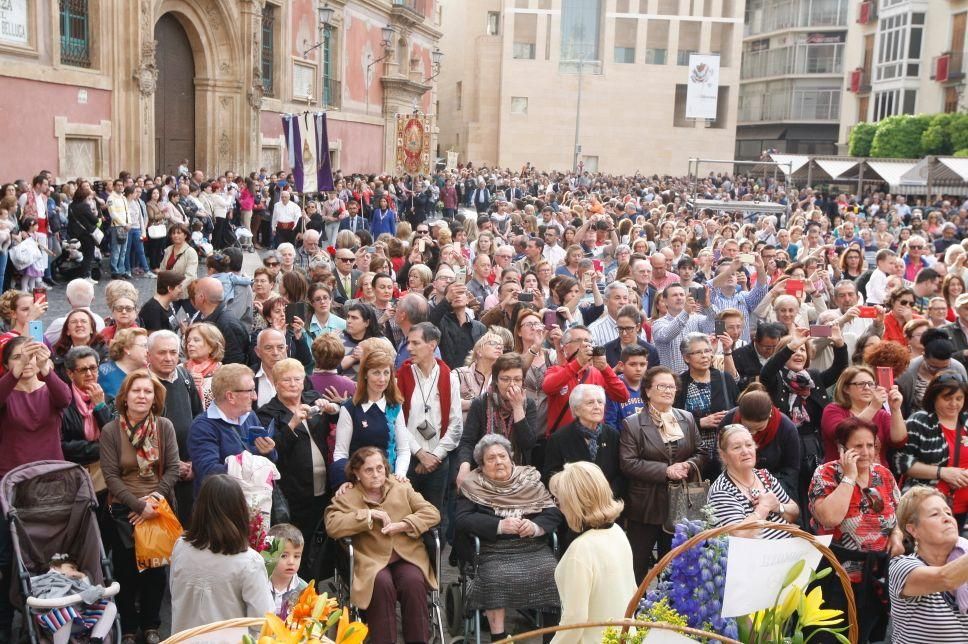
<point x="92" y="87"/>
<point x="525" y="80"/>
<point x="903" y="57"/>
<point x="791" y="76"/>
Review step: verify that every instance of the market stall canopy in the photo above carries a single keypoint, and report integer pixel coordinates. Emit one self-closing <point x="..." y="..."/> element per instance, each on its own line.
<point x="945" y="175"/>
<point x="891" y="172"/>
<point x="837" y="168"/>
<point x="796" y="162"/>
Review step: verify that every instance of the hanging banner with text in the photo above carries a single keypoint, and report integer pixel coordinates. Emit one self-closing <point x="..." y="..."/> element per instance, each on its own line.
<point x="702" y="91"/>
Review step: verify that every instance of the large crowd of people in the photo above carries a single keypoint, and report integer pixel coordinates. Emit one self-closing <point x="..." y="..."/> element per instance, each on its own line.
<point x="415" y="352"/>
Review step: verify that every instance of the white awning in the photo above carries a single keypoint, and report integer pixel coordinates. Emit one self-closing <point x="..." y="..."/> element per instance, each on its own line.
<point x="957" y="164"/>
<point x="836" y="167"/>
<point x="891" y="171"/>
<point x="916" y="175"/>
<point x="797" y="161"/>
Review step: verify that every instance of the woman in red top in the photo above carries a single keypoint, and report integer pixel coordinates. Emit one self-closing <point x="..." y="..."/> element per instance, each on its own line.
<point x="857" y="394"/>
<point x="900" y="311"/>
<point x="951" y="288"/>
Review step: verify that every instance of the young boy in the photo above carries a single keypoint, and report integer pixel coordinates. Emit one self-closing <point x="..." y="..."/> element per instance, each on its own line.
<point x="285" y="582"/>
<point x="635" y="362"/>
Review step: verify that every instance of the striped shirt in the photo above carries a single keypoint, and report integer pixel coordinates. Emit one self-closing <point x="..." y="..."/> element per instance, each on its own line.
<point x="667" y="330"/>
<point x="925" y="444"/>
<point x="743" y="301"/>
<point x="730" y="505"/>
<point x="926" y="619"/>
<point x="603" y="330"/>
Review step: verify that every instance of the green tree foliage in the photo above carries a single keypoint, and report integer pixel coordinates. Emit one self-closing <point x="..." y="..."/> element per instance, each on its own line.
<point x="861" y="138"/>
<point x="937" y="138"/>
<point x="899" y="136"/>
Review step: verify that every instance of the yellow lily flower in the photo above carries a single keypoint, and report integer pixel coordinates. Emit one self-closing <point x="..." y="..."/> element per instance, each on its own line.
<point x="811" y="613"/>
<point x="278" y="630"/>
<point x="790" y="603"/>
<point x="350" y="632"/>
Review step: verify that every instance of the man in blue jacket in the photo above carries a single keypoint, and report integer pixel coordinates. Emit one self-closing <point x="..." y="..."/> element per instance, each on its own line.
<point x="229" y="426"/>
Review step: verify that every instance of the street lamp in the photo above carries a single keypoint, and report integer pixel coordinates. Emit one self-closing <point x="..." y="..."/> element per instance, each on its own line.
<point x="436" y="56"/>
<point x="325" y="14"/>
<point x="386" y="42"/>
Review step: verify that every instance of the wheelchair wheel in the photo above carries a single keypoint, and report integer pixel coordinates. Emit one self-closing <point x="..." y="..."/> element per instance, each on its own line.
<point x="454" y="609"/>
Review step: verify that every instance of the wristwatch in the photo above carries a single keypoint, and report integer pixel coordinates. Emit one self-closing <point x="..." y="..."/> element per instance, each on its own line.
<point x="781" y="510"/>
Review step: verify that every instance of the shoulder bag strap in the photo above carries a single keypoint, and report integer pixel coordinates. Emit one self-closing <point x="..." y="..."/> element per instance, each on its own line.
<point x="957" y="445"/>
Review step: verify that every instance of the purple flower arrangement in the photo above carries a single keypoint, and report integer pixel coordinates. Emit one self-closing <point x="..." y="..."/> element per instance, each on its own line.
<point x="694" y="581"/>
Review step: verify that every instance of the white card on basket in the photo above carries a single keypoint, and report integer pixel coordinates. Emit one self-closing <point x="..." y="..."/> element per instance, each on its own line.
<point x="756" y="568"/>
<point x="660" y="636"/>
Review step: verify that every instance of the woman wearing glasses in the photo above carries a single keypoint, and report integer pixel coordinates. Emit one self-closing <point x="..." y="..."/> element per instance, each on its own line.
<point x="659" y="445"/>
<point x="529" y="338"/>
<point x="503" y="408"/>
<point x="854" y="498"/>
<point x="128" y="353"/>
<point x="475" y="375"/>
<point x="857" y="394"/>
<point x="900" y="305"/>
<point x="706" y="393"/>
<point x="930" y="457"/>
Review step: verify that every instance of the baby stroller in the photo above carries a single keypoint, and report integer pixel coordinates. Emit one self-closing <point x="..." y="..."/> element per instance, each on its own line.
<point x="69" y="264"/>
<point x="52" y="508"/>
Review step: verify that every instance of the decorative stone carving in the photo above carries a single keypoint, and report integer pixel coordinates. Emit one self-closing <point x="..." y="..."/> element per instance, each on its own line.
<point x="147" y="72"/>
<point x="255" y="97"/>
<point x="224" y="67"/>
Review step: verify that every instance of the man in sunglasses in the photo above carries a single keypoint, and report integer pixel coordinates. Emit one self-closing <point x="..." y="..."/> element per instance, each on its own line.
<point x="347" y="278"/>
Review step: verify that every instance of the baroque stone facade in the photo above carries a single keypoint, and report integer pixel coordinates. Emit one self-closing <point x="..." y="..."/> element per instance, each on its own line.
<point x="141" y="84"/>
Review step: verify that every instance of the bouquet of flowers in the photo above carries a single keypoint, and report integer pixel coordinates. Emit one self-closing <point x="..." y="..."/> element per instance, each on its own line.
<point x="309" y="620"/>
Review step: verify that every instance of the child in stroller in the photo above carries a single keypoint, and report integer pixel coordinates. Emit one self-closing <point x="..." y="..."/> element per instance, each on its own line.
<point x="94" y="611"/>
<point x="69" y="264"/>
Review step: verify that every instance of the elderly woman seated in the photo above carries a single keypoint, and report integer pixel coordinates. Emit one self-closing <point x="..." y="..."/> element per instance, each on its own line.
<point x="743" y="493"/>
<point x="929" y="589"/>
<point x="386" y="519"/>
<point x="510" y="511"/>
<point x="587" y="438"/>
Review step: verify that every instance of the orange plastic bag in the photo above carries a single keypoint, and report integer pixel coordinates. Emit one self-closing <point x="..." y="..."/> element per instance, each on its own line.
<point x="155" y="539"/>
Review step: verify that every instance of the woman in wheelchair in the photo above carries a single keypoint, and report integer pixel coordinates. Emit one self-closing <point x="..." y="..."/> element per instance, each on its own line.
<point x="386" y="519"/>
<point x="512" y="514"/>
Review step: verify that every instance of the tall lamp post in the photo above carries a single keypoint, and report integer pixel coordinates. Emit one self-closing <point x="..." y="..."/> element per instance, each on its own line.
<point x="386" y="41"/>
<point x="436" y="56"/>
<point x="325" y="14"/>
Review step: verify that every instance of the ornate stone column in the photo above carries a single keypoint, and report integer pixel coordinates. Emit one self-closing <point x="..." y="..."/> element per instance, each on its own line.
<point x="251" y="46"/>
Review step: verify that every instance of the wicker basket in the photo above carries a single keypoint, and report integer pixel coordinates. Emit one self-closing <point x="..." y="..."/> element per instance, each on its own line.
<point x="214" y="627"/>
<point x="625" y="624"/>
<point x="852" y="632"/>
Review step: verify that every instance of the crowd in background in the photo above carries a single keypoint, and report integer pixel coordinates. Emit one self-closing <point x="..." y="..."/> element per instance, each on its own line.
<point x="809" y="361"/>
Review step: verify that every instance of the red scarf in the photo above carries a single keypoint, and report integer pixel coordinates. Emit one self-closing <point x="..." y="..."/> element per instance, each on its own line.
<point x="766" y="435"/>
<point x="408" y="382"/>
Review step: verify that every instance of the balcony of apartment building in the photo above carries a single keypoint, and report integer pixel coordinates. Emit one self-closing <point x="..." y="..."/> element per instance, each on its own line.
<point x="769" y="16"/>
<point x="786" y="105"/>
<point x="802" y="59"/>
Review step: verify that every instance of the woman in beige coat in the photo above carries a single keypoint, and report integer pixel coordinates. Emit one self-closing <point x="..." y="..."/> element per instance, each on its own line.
<point x="180" y="256"/>
<point x="386" y="519"/>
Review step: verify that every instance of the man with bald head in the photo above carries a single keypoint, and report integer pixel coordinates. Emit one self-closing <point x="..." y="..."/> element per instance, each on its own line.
<point x="662" y="278"/>
<point x="208" y="300"/>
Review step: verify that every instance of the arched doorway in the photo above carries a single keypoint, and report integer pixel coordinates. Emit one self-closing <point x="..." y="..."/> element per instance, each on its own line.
<point x="174" y="96"/>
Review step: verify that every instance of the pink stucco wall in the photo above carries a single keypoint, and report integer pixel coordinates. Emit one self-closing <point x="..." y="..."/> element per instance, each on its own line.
<point x="361" y="144"/>
<point x="27" y="111"/>
<point x="358" y="35"/>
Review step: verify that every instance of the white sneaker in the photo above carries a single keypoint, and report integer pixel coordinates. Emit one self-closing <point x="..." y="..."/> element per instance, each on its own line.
<point x="150" y="275"/>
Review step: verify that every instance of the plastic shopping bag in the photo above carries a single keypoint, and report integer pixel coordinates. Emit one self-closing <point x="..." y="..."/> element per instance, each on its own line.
<point x="155" y="539"/>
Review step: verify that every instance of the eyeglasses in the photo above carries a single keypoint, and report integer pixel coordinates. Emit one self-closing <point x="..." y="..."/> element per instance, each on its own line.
<point x="345" y="259"/>
<point x="493" y="343"/>
<point x="626" y="329"/>
<point x="863" y="385"/>
<point x="321" y="298"/>
<point x="270" y="264"/>
<point x="124" y="309"/>
<point x="244" y="391"/>
<point x="423" y="232"/>
<point x="906" y="302"/>
<point x="90" y="369"/>
<point x="506" y="380"/>
<point x="665" y="388"/>
<point x="915" y="247"/>
<point x="532" y="325"/>
<point x="701" y="352"/>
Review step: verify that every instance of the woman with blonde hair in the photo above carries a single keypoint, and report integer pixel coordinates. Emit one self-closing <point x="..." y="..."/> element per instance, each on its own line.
<point x="594" y="577"/>
<point x="858" y="394"/>
<point x="372" y="418"/>
<point x="475" y="375"/>
<point x="204" y="348"/>
<point x="128" y="352"/>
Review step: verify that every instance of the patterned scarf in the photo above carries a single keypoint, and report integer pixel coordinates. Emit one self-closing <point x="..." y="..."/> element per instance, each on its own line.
<point x="144" y="440"/>
<point x="591" y="438"/>
<point x="522" y="494"/>
<point x="500" y="418"/>
<point x="84" y="407"/>
<point x="669" y="428"/>
<point x="201" y="369"/>
<point x="799" y="384"/>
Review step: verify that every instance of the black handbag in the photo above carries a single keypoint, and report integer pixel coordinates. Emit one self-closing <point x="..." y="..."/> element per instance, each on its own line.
<point x="686" y="499"/>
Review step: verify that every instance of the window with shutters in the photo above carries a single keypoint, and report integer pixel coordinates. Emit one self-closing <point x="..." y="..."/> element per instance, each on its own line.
<point x="75" y="42"/>
<point x="269" y="50"/>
